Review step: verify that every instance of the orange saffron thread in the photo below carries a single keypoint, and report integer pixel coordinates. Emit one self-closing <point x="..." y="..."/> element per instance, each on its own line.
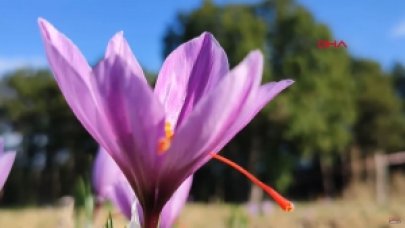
<point x="164" y="143"/>
<point x="285" y="204"/>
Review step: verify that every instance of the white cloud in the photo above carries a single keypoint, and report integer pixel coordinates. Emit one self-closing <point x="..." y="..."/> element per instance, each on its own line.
<point x="8" y="64"/>
<point x="398" y="31"/>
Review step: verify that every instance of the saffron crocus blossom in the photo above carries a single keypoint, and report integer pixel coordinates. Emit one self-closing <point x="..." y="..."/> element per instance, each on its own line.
<point x="110" y="184"/>
<point x="6" y="162"/>
<point x="159" y="138"/>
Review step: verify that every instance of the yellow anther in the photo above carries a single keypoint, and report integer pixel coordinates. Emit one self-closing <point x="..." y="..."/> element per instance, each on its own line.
<point x="168" y="130"/>
<point x="164" y="143"/>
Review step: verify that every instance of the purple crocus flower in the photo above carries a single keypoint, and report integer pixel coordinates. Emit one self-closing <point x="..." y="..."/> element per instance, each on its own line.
<point x="6" y="162"/>
<point x="110" y="184"/>
<point x="159" y="138"/>
<point x="105" y="175"/>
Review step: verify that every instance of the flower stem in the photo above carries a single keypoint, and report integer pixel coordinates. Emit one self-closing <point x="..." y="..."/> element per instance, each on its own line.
<point x="151" y="220"/>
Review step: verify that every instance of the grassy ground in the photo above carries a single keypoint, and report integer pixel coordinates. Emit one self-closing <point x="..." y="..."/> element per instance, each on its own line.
<point x="320" y="214"/>
<point x="315" y="214"/>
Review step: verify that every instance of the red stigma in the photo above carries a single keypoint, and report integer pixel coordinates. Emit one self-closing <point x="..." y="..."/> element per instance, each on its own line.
<point x="285" y="204"/>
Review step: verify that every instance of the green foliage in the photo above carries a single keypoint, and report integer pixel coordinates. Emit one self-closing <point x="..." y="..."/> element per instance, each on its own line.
<point x="109" y="223"/>
<point x="381" y="122"/>
<point x="398" y="74"/>
<point x="83" y="195"/>
<point x="319" y="108"/>
<point x="84" y="203"/>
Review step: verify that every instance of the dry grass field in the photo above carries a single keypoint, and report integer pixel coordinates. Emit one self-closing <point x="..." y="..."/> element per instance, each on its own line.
<point x="315" y="214"/>
<point x="320" y="214"/>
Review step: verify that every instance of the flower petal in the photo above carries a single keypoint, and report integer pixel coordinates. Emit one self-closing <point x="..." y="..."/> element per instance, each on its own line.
<point x="113" y="102"/>
<point x="63" y="47"/>
<point x="6" y="162"/>
<point x="173" y="207"/>
<point x="136" y="119"/>
<point x="118" y="47"/>
<point x="189" y="72"/>
<point x="256" y="102"/>
<point x="105" y="172"/>
<point x="111" y="184"/>
<point x="209" y="121"/>
<point x="123" y="197"/>
<point x="73" y="75"/>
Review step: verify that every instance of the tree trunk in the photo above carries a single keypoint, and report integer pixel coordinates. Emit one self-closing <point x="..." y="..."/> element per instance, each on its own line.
<point x="345" y="167"/>
<point x="381" y="174"/>
<point x="256" y="194"/>
<point x="370" y="170"/>
<point x="355" y="164"/>
<point x="327" y="176"/>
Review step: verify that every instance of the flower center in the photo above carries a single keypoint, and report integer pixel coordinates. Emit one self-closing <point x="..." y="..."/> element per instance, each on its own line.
<point x="280" y="200"/>
<point x="164" y="143"/>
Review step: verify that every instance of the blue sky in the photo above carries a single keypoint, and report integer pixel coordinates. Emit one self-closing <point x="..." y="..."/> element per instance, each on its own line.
<point x="371" y="29"/>
<point x="375" y="29"/>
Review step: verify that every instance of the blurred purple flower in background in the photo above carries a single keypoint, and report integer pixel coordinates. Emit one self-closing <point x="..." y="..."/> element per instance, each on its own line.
<point x="159" y="138"/>
<point x="6" y="162"/>
<point x="110" y="184"/>
<point x="105" y="175"/>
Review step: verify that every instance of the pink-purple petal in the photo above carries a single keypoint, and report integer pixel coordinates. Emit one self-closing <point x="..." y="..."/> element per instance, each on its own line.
<point x="104" y="175"/>
<point x="136" y="119"/>
<point x="110" y="183"/>
<point x="258" y="100"/>
<point x="188" y="73"/>
<point x="6" y="163"/>
<point x="119" y="47"/>
<point x="73" y="75"/>
<point x="269" y="91"/>
<point x="217" y="111"/>
<point x="64" y="48"/>
<point x="113" y="102"/>
<point x="122" y="196"/>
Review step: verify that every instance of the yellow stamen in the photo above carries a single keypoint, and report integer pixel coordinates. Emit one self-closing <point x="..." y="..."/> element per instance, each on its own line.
<point x="164" y="143"/>
<point x="168" y="130"/>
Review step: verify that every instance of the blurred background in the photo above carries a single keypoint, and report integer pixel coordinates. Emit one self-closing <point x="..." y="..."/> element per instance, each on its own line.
<point x="333" y="142"/>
